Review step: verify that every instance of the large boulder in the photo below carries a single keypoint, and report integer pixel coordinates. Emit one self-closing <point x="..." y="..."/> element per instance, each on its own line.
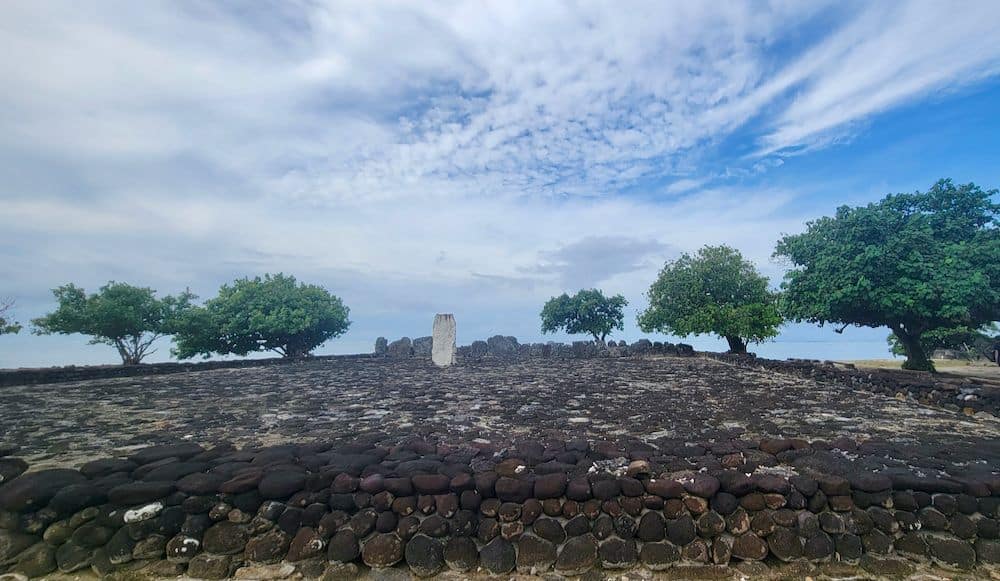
<point x="501" y="346"/>
<point x="33" y="490"/>
<point x="422" y="346"/>
<point x="401" y="348"/>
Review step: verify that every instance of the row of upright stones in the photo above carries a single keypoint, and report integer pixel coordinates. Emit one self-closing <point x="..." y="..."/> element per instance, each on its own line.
<point x="566" y="506"/>
<point x="507" y="347"/>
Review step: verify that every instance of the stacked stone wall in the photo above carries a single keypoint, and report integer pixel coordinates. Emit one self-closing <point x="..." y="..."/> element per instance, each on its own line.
<point x="964" y="394"/>
<point x="567" y="507"/>
<point x="506" y="347"/>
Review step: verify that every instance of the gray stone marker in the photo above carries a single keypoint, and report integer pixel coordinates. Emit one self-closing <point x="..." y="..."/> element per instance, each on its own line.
<point x="443" y="345"/>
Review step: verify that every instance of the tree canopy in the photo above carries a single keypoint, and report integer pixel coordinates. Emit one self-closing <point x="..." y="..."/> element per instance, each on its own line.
<point x="127" y="317"/>
<point x="588" y="311"/>
<point x="714" y="291"/>
<point x="7" y="325"/>
<point x="971" y="343"/>
<point x="274" y="313"/>
<point x="911" y="262"/>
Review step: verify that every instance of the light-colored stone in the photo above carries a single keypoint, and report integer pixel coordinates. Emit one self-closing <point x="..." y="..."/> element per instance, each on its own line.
<point x="443" y="347"/>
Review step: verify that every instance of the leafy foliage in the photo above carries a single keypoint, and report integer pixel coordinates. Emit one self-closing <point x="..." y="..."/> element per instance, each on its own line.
<point x="911" y="262"/>
<point x="270" y="314"/>
<point x="971" y="343"/>
<point x="588" y="311"/>
<point x="126" y="317"/>
<point x="713" y="291"/>
<point x="6" y="325"/>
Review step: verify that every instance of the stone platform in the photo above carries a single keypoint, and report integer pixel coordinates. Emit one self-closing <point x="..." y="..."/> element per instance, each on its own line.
<point x="680" y="467"/>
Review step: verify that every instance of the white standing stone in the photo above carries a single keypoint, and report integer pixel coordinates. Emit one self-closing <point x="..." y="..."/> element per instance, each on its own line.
<point x="443" y="346"/>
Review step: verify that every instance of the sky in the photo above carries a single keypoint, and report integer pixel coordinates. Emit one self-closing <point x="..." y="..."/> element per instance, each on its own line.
<point x="473" y="158"/>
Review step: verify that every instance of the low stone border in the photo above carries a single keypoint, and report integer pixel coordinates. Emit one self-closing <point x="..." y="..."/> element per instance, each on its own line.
<point x="506" y="347"/>
<point x="34" y="376"/>
<point x="325" y="511"/>
<point x="963" y="395"/>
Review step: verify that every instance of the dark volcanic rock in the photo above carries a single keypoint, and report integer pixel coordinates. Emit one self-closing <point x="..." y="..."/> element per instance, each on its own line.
<point x="461" y="554"/>
<point x="139" y="492"/>
<point x="381" y="551"/>
<point x="226" y="538"/>
<point x="578" y="555"/>
<point x="424" y="555"/>
<point x="659" y="556"/>
<point x="33" y="490"/>
<point x="278" y="485"/>
<point x="498" y="557"/>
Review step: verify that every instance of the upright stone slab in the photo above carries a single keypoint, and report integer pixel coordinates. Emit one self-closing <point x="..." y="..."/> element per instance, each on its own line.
<point x="443" y="346"/>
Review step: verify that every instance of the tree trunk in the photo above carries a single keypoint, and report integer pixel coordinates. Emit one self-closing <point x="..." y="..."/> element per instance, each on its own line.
<point x="916" y="359"/>
<point x="736" y="344"/>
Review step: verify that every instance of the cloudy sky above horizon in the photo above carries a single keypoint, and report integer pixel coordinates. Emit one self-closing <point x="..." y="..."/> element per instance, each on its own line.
<point x="465" y="157"/>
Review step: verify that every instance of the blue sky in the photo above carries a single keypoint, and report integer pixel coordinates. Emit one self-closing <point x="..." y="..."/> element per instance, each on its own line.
<point x="474" y="158"/>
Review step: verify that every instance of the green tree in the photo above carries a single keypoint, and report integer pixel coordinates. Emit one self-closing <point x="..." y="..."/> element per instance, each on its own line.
<point x="971" y="343"/>
<point x="910" y="262"/>
<point x="274" y="313"/>
<point x="588" y="311"/>
<point x="128" y="318"/>
<point x="714" y="291"/>
<point x="7" y="325"/>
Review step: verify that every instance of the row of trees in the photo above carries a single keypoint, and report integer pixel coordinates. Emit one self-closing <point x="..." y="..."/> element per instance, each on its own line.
<point x="273" y="313"/>
<point x="926" y="265"/>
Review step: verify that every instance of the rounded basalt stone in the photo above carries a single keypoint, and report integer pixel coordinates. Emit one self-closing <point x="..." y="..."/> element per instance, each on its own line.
<point x="509" y="512"/>
<point x="578" y="556"/>
<point x="119" y="548"/>
<point x="891" y="568"/>
<point x="306" y="544"/>
<point x="724" y="503"/>
<point x="104" y="466"/>
<point x="591" y="508"/>
<point x="92" y="535"/>
<point x="489" y="507"/>
<point x="363" y="522"/>
<point x="652" y="527"/>
<point x="470" y="500"/>
<point x="987" y="551"/>
<point x="696" y="551"/>
<point x="435" y="526"/>
<point x="702" y="485"/>
<point x="674" y="508"/>
<point x="945" y="503"/>
<point x="804" y="484"/>
<point x="281" y="484"/>
<point x="618" y="554"/>
<point x="988" y="528"/>
<point x="578" y="489"/>
<point x="488" y="529"/>
<point x="173" y="471"/>
<point x="404" y="505"/>
<point x="382" y="550"/>
<point x="225" y="538"/>
<point x="33" y="490"/>
<point x="877" y="542"/>
<point x="722" y="550"/>
<point x="152" y="547"/>
<point x="460" y="554"/>
<point x="343" y="547"/>
<point x="386" y="522"/>
<point x="749" y="547"/>
<point x="549" y="529"/>
<point x="200" y="483"/>
<point x="37" y="561"/>
<point x="625" y="526"/>
<point x="871" y="482"/>
<point x="952" y="553"/>
<point x="550" y="486"/>
<point x="711" y="524"/>
<point x="831" y="523"/>
<point x="72" y="557"/>
<point x="932" y="519"/>
<point x="446" y="505"/>
<point x="464" y="523"/>
<point x="771" y="483"/>
<point x="139" y="492"/>
<point x="534" y="555"/>
<point x="664" y="488"/>
<point x="681" y="531"/>
<point x="849" y="547"/>
<point x="424" y="555"/>
<point x="431" y="483"/>
<point x="530" y="511"/>
<point x="818" y="547"/>
<point x="605" y="489"/>
<point x="513" y="490"/>
<point x="76" y="497"/>
<point x="498" y="557"/>
<point x="207" y="566"/>
<point x="576" y="526"/>
<point x="832" y="485"/>
<point x="962" y="526"/>
<point x="180" y="451"/>
<point x="659" y="556"/>
<point x="911" y="544"/>
<point x="181" y="548"/>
